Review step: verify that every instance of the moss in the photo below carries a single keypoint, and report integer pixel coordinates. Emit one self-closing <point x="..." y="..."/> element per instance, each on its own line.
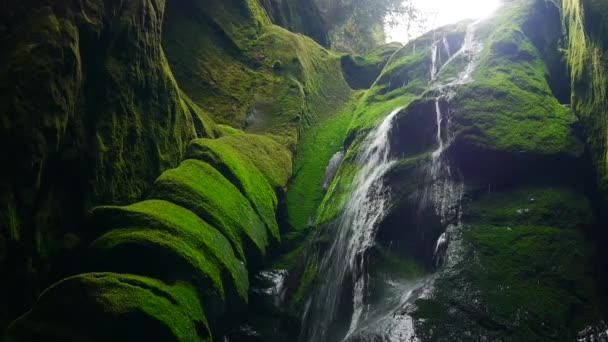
<point x="248" y="90"/>
<point x="185" y="235"/>
<point x="271" y="158"/>
<point x="537" y="272"/>
<point x="309" y="86"/>
<point x="361" y="71"/>
<point x="230" y="130"/>
<point x="555" y="206"/>
<point x="200" y="188"/>
<point x="509" y="106"/>
<point x="96" y="116"/>
<point x="239" y="170"/>
<point x="307" y="280"/>
<point x="298" y="16"/>
<point x="116" y="307"/>
<point x="584" y="23"/>
<point x="316" y="147"/>
<point x="524" y="269"/>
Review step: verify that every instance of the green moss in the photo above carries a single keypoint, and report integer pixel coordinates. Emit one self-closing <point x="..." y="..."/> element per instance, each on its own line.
<point x="555" y="207"/>
<point x="587" y="43"/>
<point x="309" y="86"/>
<point x="524" y="269"/>
<point x="114" y="307"/>
<point x="200" y="188"/>
<point x="188" y="237"/>
<point x="316" y="147"/>
<point x="271" y="158"/>
<point x="229" y="129"/>
<point x="307" y="280"/>
<point x="361" y="71"/>
<point x="248" y="90"/>
<point x="509" y="106"/>
<point x="537" y="272"/>
<point x="243" y="174"/>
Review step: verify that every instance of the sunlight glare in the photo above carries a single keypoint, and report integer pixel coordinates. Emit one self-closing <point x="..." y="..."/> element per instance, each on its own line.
<point x="443" y="12"/>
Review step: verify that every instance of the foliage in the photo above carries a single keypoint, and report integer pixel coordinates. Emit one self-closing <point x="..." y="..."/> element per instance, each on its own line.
<point x="357" y="26"/>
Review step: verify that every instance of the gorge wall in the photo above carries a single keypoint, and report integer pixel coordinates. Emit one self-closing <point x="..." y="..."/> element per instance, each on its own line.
<point x="183" y="170"/>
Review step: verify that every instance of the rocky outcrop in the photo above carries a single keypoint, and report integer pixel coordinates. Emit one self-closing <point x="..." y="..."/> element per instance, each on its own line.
<point x="91" y="114"/>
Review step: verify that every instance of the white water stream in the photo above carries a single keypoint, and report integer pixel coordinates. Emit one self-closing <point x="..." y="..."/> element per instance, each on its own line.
<point x="345" y="259"/>
<point x="344" y="265"/>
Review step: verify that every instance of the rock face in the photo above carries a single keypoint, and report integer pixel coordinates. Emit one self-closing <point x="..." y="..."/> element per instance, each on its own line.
<point x="165" y="175"/>
<point x="587" y="46"/>
<point x="488" y="233"/>
<point x="91" y="114"/>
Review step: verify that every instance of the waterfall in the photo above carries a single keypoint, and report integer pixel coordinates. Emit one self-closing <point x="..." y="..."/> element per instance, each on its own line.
<point x="345" y="261"/>
<point x="446" y="189"/>
<point x="344" y="267"/>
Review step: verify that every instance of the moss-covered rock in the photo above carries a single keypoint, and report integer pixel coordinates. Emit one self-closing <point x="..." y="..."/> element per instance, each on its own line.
<point x="524" y="270"/>
<point x="587" y="45"/>
<point x="239" y="170"/>
<point x="249" y="91"/>
<point x="113" y="307"/>
<point x="198" y="187"/>
<point x="361" y="71"/>
<point x="90" y="114"/>
<point x="298" y="16"/>
<point x="510" y="106"/>
<point x="270" y="157"/>
<point x="154" y="230"/>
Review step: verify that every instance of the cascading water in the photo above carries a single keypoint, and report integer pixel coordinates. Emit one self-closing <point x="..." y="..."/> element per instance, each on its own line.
<point x="344" y="264"/>
<point x="346" y="258"/>
<point x="446" y="191"/>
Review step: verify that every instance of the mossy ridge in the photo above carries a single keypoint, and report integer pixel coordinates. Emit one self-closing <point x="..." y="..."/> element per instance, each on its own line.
<point x="271" y="63"/>
<point x="116" y="307"/>
<point x="510" y="83"/>
<point x="184" y="225"/>
<point x="271" y="158"/>
<point x="243" y="174"/>
<point x="198" y="187"/>
<point x="130" y="249"/>
<point x="584" y="22"/>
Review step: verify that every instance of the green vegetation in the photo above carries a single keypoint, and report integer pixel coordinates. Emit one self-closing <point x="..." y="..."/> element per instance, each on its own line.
<point x="201" y="189"/>
<point x="243" y="174"/>
<point x="316" y="148"/>
<point x="271" y="158"/>
<point x="361" y="71"/>
<point x="550" y="206"/>
<point x="528" y="263"/>
<point x="249" y="90"/>
<point x="510" y="84"/>
<point x="114" y="307"/>
<point x="173" y="230"/>
<point x="584" y="23"/>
